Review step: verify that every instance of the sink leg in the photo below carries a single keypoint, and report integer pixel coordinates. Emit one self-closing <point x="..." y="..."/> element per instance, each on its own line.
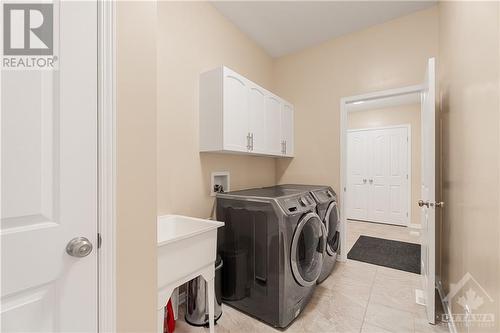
<point x="163" y="298"/>
<point x="211" y="305"/>
<point x="160" y="320"/>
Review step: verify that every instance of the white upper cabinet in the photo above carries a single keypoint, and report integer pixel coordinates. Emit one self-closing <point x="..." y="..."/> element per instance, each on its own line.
<point x="256" y="119"/>
<point x="235" y="104"/>
<point x="273" y="122"/>
<point x="239" y="116"/>
<point x="287" y="141"/>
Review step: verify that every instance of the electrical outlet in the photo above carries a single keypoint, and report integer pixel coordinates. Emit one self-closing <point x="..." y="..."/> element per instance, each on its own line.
<point x="220" y="182"/>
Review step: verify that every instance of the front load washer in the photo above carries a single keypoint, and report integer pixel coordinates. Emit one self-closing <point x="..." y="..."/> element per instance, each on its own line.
<point x="272" y="246"/>
<point x="327" y="209"/>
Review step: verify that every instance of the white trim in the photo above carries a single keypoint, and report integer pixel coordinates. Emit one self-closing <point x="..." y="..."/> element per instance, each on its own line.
<point x="344" y="101"/>
<point x="408" y="170"/>
<point x="106" y="148"/>
<point x="378" y="128"/>
<point x="383" y="94"/>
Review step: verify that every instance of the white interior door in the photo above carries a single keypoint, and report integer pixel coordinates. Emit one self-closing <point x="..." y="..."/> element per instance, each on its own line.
<point x="378" y="173"/>
<point x="49" y="184"/>
<point x="357" y="175"/>
<point x="378" y="180"/>
<point x="428" y="189"/>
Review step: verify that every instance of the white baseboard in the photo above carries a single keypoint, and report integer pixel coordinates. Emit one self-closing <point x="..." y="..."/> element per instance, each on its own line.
<point x="446" y="306"/>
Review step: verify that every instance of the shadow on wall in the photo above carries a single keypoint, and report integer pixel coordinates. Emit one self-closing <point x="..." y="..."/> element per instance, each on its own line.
<point x="281" y="167"/>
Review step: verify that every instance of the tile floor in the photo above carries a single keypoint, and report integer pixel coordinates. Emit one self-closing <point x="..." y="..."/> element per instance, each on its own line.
<point x="357" y="297"/>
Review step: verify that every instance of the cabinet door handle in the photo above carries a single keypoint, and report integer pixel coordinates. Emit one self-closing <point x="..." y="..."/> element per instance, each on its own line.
<point x="284" y="151"/>
<point x="249" y="147"/>
<point x="251" y="140"/>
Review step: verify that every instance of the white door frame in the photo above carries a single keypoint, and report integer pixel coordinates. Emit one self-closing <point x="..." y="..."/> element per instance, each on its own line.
<point x="344" y="112"/>
<point x="409" y="151"/>
<point x="106" y="169"/>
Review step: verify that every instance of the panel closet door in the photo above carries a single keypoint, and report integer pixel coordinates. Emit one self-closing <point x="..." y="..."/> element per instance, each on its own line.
<point x="357" y="168"/>
<point x="378" y="184"/>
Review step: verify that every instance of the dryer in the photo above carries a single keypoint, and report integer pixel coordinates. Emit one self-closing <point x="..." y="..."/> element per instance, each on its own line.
<point x="272" y="246"/>
<point x="327" y="209"/>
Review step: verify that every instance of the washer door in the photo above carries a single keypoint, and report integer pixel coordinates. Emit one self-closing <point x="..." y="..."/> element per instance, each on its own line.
<point x="308" y="246"/>
<point x="331" y="222"/>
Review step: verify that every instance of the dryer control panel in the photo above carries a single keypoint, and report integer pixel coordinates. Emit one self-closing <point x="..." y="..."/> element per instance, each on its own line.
<point x="298" y="204"/>
<point x="325" y="195"/>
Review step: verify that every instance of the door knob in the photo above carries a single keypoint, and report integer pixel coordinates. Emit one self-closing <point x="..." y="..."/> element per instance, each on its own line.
<point x="371" y="181"/>
<point x="422" y="203"/>
<point x="428" y="204"/>
<point x="79" y="247"/>
<point x="364" y="181"/>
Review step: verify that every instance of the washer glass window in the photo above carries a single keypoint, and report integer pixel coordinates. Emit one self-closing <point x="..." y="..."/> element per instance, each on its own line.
<point x="307" y="250"/>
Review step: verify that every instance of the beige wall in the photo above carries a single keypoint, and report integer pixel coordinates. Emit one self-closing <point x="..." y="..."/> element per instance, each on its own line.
<point x="194" y="37"/>
<point x="404" y="114"/>
<point x="469" y="93"/>
<point x="389" y="55"/>
<point x="136" y="166"/>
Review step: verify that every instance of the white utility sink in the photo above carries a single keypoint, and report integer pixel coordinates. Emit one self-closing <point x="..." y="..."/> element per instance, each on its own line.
<point x="186" y="249"/>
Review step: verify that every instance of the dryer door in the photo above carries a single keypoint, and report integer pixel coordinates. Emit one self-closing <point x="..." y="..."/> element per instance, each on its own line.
<point x="308" y="246"/>
<point x="331" y="222"/>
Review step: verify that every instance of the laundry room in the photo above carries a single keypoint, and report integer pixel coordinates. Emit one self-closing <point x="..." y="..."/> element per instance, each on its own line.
<point x="264" y="157"/>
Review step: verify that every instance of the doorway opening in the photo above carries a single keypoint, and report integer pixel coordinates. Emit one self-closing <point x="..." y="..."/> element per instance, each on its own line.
<point x="381" y="184"/>
<point x="383" y="181"/>
<point x="384" y="222"/>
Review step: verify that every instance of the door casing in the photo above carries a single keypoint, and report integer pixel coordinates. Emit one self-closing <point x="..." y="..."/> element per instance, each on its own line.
<point x="106" y="165"/>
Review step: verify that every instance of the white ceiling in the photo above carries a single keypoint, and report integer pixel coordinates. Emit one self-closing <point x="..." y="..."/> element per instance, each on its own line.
<point x="283" y="27"/>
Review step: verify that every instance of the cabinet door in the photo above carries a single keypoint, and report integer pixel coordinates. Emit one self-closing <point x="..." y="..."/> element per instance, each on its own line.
<point x="256" y="119"/>
<point x="235" y="97"/>
<point x="287" y="129"/>
<point x="273" y="125"/>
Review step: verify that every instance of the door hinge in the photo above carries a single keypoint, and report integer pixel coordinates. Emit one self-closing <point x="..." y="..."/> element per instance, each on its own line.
<point x="345" y="189"/>
<point x="406" y="214"/>
<point x="407" y="139"/>
<point x="99" y="240"/>
<point x="406" y="176"/>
